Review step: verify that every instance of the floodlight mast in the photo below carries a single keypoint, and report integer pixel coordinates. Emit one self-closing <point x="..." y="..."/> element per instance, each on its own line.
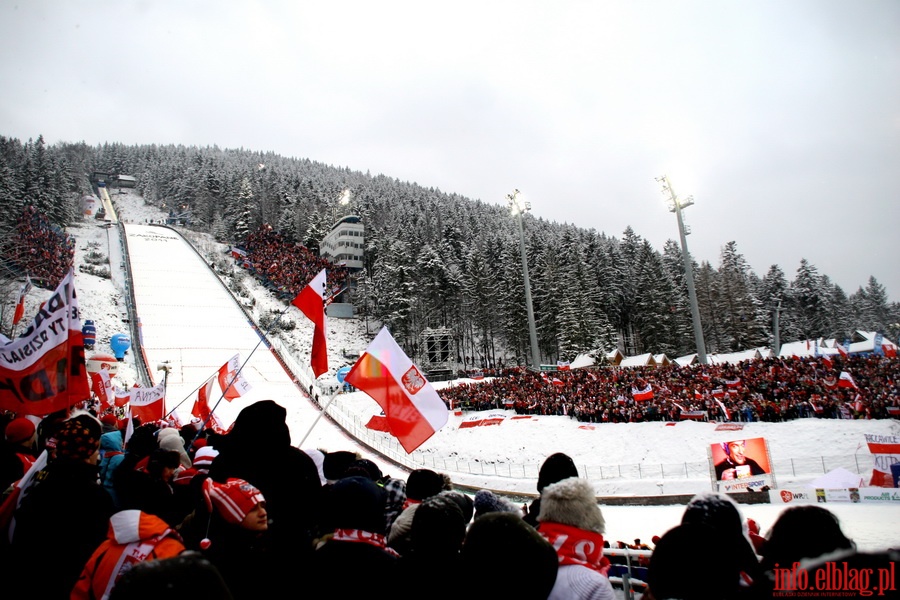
<point x="675" y="206"/>
<point x="518" y="206"/>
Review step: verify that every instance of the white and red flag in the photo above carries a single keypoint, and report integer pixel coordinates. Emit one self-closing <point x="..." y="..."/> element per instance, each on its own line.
<point x="102" y="388"/>
<point x="846" y="381"/>
<point x="646" y="393"/>
<point x="148" y="404"/>
<point x="889" y="351"/>
<point x="413" y="409"/>
<point x="311" y="302"/>
<point x="841" y="350"/>
<point x="201" y="404"/>
<point x="724" y="409"/>
<point x="43" y="370"/>
<point x="20" y="305"/>
<point x="231" y="381"/>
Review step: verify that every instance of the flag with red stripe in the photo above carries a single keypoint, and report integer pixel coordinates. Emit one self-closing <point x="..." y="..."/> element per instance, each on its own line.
<point x="413" y="408"/>
<point x="311" y="302"/>
<point x="43" y="370"/>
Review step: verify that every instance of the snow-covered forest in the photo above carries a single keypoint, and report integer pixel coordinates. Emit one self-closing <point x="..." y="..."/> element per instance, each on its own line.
<point x="436" y="259"/>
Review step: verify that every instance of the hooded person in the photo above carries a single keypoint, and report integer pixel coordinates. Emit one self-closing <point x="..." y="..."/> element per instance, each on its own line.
<point x="509" y="558"/>
<point x="556" y="467"/>
<point x="112" y="451"/>
<point x="169" y="438"/>
<point x="133" y="536"/>
<point x="355" y="558"/>
<point x="673" y="570"/>
<point x="258" y="449"/>
<point x="436" y="538"/>
<point x="421" y="484"/>
<point x="722" y="513"/>
<point x="572" y="522"/>
<point x="62" y="518"/>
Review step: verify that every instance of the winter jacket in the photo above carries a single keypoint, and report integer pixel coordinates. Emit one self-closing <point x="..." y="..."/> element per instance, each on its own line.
<point x="133" y="536"/>
<point x="60" y="522"/>
<point x="111" y="452"/>
<point x="581" y="583"/>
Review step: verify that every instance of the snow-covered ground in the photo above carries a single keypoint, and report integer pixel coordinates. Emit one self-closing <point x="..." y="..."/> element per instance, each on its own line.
<point x="187" y="319"/>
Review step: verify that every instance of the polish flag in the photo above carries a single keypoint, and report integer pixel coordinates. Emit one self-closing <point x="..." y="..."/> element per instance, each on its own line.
<point x="20" y="305"/>
<point x="724" y="410"/>
<point x="102" y="388"/>
<point x="413" y="408"/>
<point x="148" y="404"/>
<point x="201" y="404"/>
<point x="889" y="351"/>
<point x="846" y="381"/>
<point x="733" y="382"/>
<point x="841" y="349"/>
<point x="311" y="302"/>
<point x="827" y="362"/>
<point x="718" y="393"/>
<point x="231" y="381"/>
<point x="643" y="394"/>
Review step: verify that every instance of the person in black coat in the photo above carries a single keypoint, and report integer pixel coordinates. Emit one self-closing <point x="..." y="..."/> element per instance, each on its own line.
<point x="62" y="518"/>
<point x="555" y="468"/>
<point x="258" y="449"/>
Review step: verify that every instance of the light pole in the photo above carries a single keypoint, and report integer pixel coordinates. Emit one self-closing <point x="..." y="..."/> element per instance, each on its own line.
<point x="518" y="206"/>
<point x="675" y="206"/>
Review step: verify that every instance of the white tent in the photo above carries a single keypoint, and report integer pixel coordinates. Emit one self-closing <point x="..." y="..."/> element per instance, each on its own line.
<point x="582" y="360"/>
<point x="839" y="478"/>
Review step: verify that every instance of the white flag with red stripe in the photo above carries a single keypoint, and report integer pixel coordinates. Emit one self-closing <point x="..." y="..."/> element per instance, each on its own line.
<point x="846" y="381"/>
<point x="231" y="381"/>
<point x="311" y="302"/>
<point x="646" y="393"/>
<point x="413" y="409"/>
<point x="102" y="388"/>
<point x="724" y="409"/>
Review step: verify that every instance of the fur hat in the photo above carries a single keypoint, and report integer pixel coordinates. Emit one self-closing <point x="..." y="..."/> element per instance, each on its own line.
<point x="19" y="430"/>
<point x="233" y="500"/>
<point x="487" y="501"/>
<point x="556" y="467"/>
<point x="78" y="438"/>
<point x="423" y="483"/>
<point x="572" y="502"/>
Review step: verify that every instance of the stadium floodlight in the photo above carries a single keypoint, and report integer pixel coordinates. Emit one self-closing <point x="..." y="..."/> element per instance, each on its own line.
<point x="518" y="205"/>
<point x="676" y="204"/>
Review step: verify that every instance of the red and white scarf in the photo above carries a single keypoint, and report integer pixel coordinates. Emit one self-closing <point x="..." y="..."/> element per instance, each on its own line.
<point x="576" y="546"/>
<point x="363" y="537"/>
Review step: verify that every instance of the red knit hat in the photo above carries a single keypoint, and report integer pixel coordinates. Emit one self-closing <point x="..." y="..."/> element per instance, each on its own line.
<point x="233" y="500"/>
<point x="19" y="430"/>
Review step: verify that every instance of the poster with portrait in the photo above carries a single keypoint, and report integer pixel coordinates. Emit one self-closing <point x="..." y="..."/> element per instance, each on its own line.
<point x="741" y="464"/>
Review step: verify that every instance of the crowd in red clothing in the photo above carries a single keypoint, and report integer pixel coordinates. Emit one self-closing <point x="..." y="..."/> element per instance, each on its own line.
<point x="45" y="252"/>
<point x="772" y="389"/>
<point x="288" y="266"/>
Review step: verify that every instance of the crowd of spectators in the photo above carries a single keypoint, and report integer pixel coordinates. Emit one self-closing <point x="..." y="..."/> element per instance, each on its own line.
<point x="246" y="514"/>
<point x="770" y="389"/>
<point x="44" y="251"/>
<point x="286" y="267"/>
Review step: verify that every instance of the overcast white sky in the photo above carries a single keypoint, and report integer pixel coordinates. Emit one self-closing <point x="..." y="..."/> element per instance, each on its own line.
<point x="781" y="119"/>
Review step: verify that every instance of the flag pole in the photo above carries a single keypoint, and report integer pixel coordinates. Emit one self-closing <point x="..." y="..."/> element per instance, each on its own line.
<point x="316" y="420"/>
<point x="237" y="373"/>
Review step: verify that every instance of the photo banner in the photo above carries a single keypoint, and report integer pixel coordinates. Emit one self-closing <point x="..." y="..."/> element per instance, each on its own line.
<point x="742" y="464"/>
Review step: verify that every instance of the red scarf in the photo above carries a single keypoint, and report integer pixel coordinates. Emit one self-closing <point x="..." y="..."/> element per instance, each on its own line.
<point x="576" y="546"/>
<point x="362" y="537"/>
